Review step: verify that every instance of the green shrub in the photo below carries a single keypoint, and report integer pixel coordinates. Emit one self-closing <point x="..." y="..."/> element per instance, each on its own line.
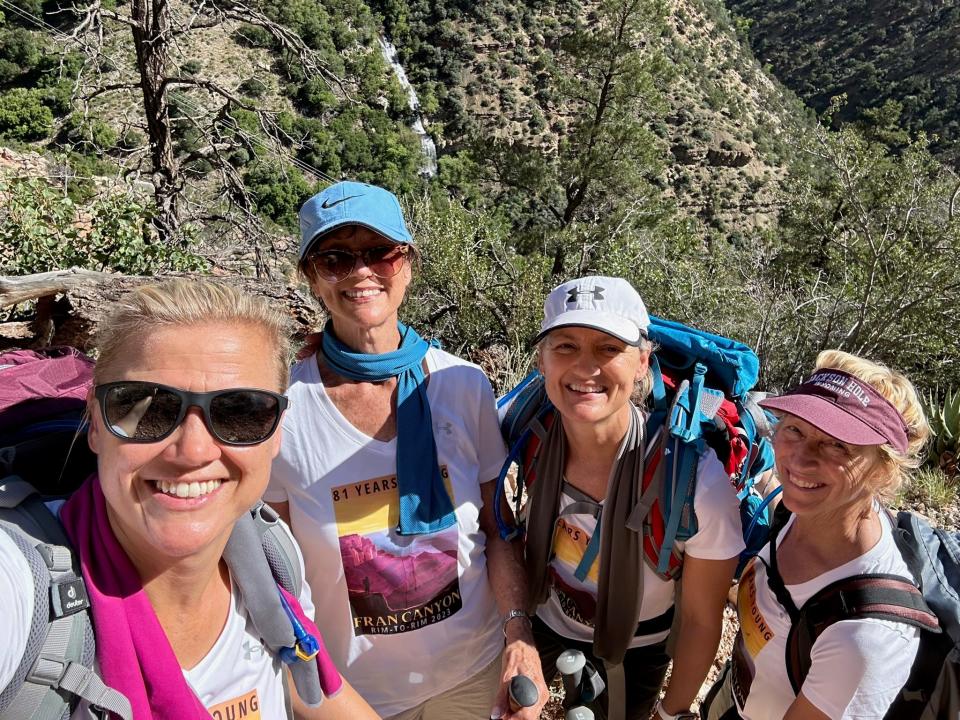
<point x="21" y="52"/>
<point x="191" y="67"/>
<point x="944" y="417"/>
<point x="58" y="96"/>
<point x="279" y="192"/>
<point x="253" y="36"/>
<point x="23" y="116"/>
<point x="42" y="230"/>
<point x="89" y="134"/>
<point x="929" y="487"/>
<point x="253" y="87"/>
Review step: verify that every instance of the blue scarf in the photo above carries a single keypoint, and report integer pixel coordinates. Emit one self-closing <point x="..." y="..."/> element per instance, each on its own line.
<point x="425" y="506"/>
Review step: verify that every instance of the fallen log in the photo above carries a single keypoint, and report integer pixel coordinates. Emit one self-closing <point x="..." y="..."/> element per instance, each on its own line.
<point x="70" y="304"/>
<point x="15" y="290"/>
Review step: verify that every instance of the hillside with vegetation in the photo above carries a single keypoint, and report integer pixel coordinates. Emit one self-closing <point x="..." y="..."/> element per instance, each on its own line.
<point x="872" y="52"/>
<point x="706" y="125"/>
<point x="638" y="138"/>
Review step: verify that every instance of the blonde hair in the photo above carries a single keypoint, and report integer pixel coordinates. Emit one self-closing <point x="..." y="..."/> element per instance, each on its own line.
<point x="183" y="302"/>
<point x="900" y="393"/>
<point x="644" y="386"/>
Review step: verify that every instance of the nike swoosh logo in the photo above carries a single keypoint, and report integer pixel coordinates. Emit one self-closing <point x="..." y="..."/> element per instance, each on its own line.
<point x="326" y="204"/>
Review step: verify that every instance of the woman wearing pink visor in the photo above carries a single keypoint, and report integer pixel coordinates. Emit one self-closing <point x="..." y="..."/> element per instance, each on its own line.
<point x="846" y="438"/>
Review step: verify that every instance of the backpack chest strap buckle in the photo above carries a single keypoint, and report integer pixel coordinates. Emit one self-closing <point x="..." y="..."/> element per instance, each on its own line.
<point x="57" y="672"/>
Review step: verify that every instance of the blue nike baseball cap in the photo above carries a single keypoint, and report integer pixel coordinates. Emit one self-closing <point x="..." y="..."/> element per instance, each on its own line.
<point x="351" y="203"/>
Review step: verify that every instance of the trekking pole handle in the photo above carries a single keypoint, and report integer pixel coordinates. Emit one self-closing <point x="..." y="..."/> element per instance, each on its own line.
<point x="523" y="693"/>
<point x="570" y="664"/>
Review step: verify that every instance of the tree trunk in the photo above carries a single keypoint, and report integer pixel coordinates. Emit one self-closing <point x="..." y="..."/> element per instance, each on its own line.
<point x="151" y="38"/>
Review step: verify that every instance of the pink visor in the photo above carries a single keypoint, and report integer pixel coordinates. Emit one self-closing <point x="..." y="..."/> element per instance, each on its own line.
<point x="844" y="407"/>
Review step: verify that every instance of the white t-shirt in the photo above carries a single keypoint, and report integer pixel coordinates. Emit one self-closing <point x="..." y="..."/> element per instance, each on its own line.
<point x="857" y="666"/>
<point x="16" y="607"/>
<point x="238" y="677"/>
<point x="571" y="606"/>
<point x="403" y="617"/>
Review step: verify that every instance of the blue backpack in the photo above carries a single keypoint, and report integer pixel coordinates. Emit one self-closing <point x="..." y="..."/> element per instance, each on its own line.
<point x="701" y="398"/>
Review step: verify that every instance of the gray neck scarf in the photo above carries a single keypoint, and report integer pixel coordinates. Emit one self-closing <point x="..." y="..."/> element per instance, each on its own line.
<point x="621" y="539"/>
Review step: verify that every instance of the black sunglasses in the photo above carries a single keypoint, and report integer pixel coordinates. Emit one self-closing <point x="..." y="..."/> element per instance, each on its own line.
<point x="146" y="412"/>
<point x="384" y="261"/>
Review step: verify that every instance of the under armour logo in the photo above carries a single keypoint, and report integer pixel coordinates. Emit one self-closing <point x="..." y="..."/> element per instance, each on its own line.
<point x="574" y="293"/>
<point x="252" y="649"/>
<point x="447" y="427"/>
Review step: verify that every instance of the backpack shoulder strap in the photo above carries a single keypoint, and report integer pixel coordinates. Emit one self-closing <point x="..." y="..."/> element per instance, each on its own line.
<point x="681" y="446"/>
<point x="878" y="595"/>
<point x="279" y="547"/>
<point x="260" y="559"/>
<point x="57" y="667"/>
<point x="525" y="414"/>
<point x="775" y="582"/>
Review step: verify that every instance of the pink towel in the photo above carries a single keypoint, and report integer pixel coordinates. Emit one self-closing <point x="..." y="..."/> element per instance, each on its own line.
<point x="133" y="651"/>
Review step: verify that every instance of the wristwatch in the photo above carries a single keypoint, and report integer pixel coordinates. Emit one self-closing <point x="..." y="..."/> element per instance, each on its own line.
<point x="511" y="614"/>
<point x="659" y="712"/>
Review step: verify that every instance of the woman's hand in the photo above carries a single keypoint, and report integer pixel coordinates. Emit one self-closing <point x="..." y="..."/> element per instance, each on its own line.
<point x="520" y="657"/>
<point x="509" y="583"/>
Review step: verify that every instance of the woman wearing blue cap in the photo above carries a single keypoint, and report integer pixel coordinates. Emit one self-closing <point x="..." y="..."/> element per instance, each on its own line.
<point x="385" y="475"/>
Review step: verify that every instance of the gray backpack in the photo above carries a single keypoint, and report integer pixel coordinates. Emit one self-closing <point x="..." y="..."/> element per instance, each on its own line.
<point x="933" y="605"/>
<point x="56" y="671"/>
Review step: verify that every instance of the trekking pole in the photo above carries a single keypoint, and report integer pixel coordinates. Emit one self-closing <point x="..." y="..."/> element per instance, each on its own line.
<point x="579" y="713"/>
<point x="523" y="693"/>
<point x="570" y="664"/>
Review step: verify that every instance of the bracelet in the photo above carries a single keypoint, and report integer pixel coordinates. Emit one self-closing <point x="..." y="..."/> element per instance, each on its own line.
<point x="511" y="615"/>
<point x="659" y="712"/>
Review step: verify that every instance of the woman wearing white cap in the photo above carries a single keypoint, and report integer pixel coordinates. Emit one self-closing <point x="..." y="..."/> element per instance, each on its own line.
<point x="845" y="439"/>
<point x="594" y="354"/>
<point x="385" y="474"/>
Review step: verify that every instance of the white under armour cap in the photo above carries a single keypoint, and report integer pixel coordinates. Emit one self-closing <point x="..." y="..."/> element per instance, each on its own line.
<point x="607" y="304"/>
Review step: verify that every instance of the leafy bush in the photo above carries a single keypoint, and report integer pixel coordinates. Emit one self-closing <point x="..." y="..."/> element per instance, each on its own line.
<point x="928" y="487"/>
<point x="90" y="134"/>
<point x="21" y="52"/>
<point x="944" y="417"/>
<point x="23" y="116"/>
<point x="868" y="257"/>
<point x="42" y="230"/>
<point x="253" y="36"/>
<point x="191" y="67"/>
<point x="279" y="192"/>
<point x="253" y="87"/>
<point x="474" y="291"/>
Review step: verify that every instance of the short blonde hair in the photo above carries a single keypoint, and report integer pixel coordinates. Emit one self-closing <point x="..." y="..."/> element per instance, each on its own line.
<point x="900" y="393"/>
<point x="183" y="302"/>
